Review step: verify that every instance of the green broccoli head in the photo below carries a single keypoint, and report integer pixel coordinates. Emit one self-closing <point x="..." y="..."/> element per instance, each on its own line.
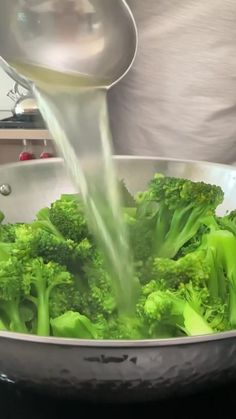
<point x="32" y="241"/>
<point x="8" y="236"/>
<point x="8" y="233"/>
<point x="215" y="312"/>
<point x="174" y="192"/>
<point x="166" y="307"/>
<point x="52" y="248"/>
<point x="99" y="295"/>
<point x="191" y="267"/>
<point x="228" y="222"/>
<point x="126" y="328"/>
<point x="160" y="305"/>
<point x="176" y="209"/>
<point x="68" y="216"/>
<point x="220" y="247"/>
<point x="141" y="238"/>
<point x="66" y="297"/>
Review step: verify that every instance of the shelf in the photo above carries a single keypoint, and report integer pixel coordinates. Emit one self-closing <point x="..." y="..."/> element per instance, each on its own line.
<point x="24" y="134"/>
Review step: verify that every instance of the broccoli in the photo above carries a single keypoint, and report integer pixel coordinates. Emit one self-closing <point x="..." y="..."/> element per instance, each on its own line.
<point x="228" y="222"/>
<point x="44" y="222"/>
<point x="174" y="210"/>
<point x="61" y="234"/>
<point x="5" y="251"/>
<point x="75" y="325"/>
<point x="52" y="248"/>
<point x="191" y="267"/>
<point x="167" y="308"/>
<point x="126" y="327"/>
<point x="139" y="232"/>
<point x="54" y="279"/>
<point x="8" y="233"/>
<point x="36" y="240"/>
<point x="12" y="294"/>
<point x="7" y="238"/>
<point x="41" y="279"/>
<point x="195" y="242"/>
<point x="220" y="247"/>
<point x="66" y="297"/>
<point x="97" y="289"/>
<point x="68" y="216"/>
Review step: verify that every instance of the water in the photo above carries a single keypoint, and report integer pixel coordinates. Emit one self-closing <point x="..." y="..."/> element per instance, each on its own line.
<point x="75" y="110"/>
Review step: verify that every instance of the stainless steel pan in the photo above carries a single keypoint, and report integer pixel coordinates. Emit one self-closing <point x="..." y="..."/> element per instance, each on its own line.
<point x="111" y="370"/>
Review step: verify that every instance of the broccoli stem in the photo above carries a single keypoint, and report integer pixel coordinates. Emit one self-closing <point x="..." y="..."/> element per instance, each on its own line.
<point x="43" y="328"/>
<point x="213" y="284"/>
<point x="222" y="284"/>
<point x="11" y="309"/>
<point x="194" y="323"/>
<point x="184" y="225"/>
<point x="225" y="245"/>
<point x="232" y="305"/>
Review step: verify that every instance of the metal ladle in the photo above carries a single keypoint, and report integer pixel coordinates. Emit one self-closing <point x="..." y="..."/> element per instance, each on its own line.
<point x="92" y="38"/>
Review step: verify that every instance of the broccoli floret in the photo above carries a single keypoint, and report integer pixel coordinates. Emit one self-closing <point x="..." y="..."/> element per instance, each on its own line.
<point x="8" y="233"/>
<point x="228" y="222"/>
<point x="52" y="248"/>
<point x="65" y="298"/>
<point x="141" y="223"/>
<point x="67" y="215"/>
<point x="152" y="286"/>
<point x="99" y="294"/>
<point x="21" y="247"/>
<point x="172" y="273"/>
<point x="128" y="328"/>
<point x="194" y="243"/>
<point x="41" y="279"/>
<point x="215" y="311"/>
<point x="12" y="293"/>
<point x="141" y="238"/>
<point x="44" y="222"/>
<point x="162" y="310"/>
<point x="36" y="241"/>
<point x="176" y="208"/>
<point x="5" y="251"/>
<point x="220" y="247"/>
<point x="7" y="239"/>
<point x="165" y="307"/>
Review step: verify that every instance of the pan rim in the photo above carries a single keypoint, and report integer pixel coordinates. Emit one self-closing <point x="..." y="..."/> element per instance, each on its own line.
<point x="112" y="343"/>
<point x="118" y="157"/>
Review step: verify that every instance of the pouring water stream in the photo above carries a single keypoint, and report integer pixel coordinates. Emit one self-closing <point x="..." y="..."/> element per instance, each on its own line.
<point x="71" y="94"/>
